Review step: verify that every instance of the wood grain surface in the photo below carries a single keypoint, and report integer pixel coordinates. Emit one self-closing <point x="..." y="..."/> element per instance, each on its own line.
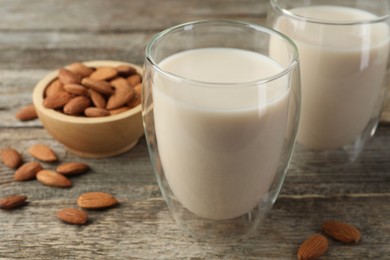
<point x="38" y="36"/>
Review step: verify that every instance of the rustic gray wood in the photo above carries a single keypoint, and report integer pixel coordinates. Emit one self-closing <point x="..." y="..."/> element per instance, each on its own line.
<point x="41" y="35"/>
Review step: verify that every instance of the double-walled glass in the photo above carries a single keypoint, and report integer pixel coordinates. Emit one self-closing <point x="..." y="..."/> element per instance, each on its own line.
<point x="220" y="110"/>
<point x="344" y="50"/>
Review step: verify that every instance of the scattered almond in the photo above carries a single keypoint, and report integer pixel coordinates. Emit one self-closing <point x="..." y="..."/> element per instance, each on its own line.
<point x="27" y="113"/>
<point x="96" y="200"/>
<point x="104" y="73"/>
<point x="76" y="89"/>
<point x="312" y="248"/>
<point x="102" y="87"/>
<point x="57" y="100"/>
<point x="11" y="157"/>
<point x="27" y="171"/>
<point x="43" y="152"/>
<point x="73" y="216"/>
<point x="71" y="168"/>
<point x="54" y="87"/>
<point x="134" y="79"/>
<point x="340" y="231"/>
<point x="68" y="77"/>
<point x="12" y="202"/>
<point x="80" y="69"/>
<point x="96" y="112"/>
<point x="53" y="179"/>
<point x="77" y="105"/>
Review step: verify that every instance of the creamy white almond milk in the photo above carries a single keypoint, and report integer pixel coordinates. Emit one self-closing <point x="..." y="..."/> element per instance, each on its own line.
<point x="342" y="73"/>
<point x="220" y="146"/>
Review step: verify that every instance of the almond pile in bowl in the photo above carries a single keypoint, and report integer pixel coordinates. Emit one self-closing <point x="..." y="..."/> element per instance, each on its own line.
<point x="94" y="91"/>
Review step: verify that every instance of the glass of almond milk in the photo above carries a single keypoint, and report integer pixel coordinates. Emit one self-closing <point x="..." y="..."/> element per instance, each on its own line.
<point x="220" y="114"/>
<point x="344" y="50"/>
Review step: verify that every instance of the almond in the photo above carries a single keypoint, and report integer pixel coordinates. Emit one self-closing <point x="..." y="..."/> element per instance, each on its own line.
<point x="118" y="110"/>
<point x="73" y="216"/>
<point x="96" y="112"/>
<point x="104" y="73"/>
<point x="77" y="105"/>
<point x="135" y="101"/>
<point x="43" y="152"/>
<point x="102" y="87"/>
<point x="80" y="69"/>
<point x="138" y="89"/>
<point x="120" y="83"/>
<point x="76" y="89"/>
<point x="125" y="71"/>
<point x="68" y="77"/>
<point x="57" y="100"/>
<point x="134" y="79"/>
<point x="96" y="200"/>
<point x="27" y="113"/>
<point x="120" y="98"/>
<point x="12" y="202"/>
<point x="97" y="99"/>
<point x="27" y="171"/>
<point x="340" y="231"/>
<point x="314" y="247"/>
<point x="71" y="168"/>
<point x="54" y="87"/>
<point x="11" y="157"/>
<point x="53" y="179"/>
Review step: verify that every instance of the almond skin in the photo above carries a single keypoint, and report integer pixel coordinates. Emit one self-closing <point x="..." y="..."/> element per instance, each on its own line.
<point x="27" y="171"/>
<point x="12" y="202"/>
<point x="125" y="71"/>
<point x="73" y="216"/>
<point x="76" y="89"/>
<point x="312" y="248"/>
<point x="77" y="105"/>
<point x="11" y="157"/>
<point x="27" y="113"/>
<point x="104" y="73"/>
<point x="68" y="77"/>
<point x="53" y="179"/>
<point x="54" y="87"/>
<point x="134" y="79"/>
<point x="96" y="112"/>
<point x="57" y="100"/>
<point x="72" y="168"/>
<point x="97" y="99"/>
<point x="340" y="231"/>
<point x="43" y="152"/>
<point x="120" y="98"/>
<point x="80" y="69"/>
<point x="102" y="87"/>
<point x="96" y="200"/>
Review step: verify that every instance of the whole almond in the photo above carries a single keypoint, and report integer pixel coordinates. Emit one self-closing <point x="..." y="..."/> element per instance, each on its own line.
<point x="118" y="110"/>
<point x="125" y="71"/>
<point x="102" y="87"/>
<point x="27" y="113"/>
<point x="96" y="112"/>
<point x="53" y="179"/>
<point x="73" y="216"/>
<point x="42" y="152"/>
<point x="11" y="157"/>
<point x="120" y="98"/>
<point x="97" y="99"/>
<point x="77" y="105"/>
<point x="96" y="200"/>
<point x="134" y="79"/>
<point x="76" y="89"/>
<point x="71" y="168"/>
<point x="80" y="69"/>
<point x="54" y="87"/>
<point x="340" y="231"/>
<point x="57" y="100"/>
<point x="12" y="202"/>
<point x="135" y="101"/>
<point x="68" y="77"/>
<point x="312" y="248"/>
<point x="27" y="171"/>
<point x="104" y="73"/>
<point x="120" y="83"/>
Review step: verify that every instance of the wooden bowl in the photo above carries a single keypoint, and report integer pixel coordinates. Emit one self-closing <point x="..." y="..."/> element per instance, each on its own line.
<point x="96" y="137"/>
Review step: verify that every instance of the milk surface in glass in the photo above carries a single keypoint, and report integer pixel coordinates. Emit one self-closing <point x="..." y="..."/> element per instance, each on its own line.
<point x="220" y="146"/>
<point x="343" y="69"/>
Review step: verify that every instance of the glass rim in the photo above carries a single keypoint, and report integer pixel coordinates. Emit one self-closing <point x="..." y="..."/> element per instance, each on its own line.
<point x="275" y="4"/>
<point x="286" y="69"/>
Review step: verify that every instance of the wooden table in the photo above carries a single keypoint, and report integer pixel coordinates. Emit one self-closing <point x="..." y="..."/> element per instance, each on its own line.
<point x="41" y="35"/>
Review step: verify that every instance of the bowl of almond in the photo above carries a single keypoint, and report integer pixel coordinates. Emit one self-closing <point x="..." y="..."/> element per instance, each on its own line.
<point x="93" y="108"/>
